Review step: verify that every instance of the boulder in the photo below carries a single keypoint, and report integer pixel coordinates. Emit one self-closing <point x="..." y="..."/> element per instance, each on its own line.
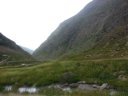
<point x="104" y="86"/>
<point x="86" y="87"/>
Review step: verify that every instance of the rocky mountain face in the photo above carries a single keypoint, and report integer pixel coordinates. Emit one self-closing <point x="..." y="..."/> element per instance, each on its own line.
<point x="10" y="51"/>
<point x="101" y="28"/>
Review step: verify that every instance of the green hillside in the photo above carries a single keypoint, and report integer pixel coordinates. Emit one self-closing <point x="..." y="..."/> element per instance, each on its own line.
<point x="100" y="26"/>
<point x="10" y="52"/>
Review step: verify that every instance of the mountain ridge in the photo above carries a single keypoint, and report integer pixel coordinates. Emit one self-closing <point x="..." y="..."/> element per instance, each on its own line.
<point x="102" y="24"/>
<point x="10" y="51"/>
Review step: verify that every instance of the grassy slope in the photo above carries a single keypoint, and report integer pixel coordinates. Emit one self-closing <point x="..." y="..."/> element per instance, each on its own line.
<point x="101" y="71"/>
<point x="99" y="25"/>
<point x="14" y="57"/>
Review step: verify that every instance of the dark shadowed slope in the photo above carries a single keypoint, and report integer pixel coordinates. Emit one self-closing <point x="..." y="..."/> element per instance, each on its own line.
<point x="101" y="27"/>
<point x="10" y="51"/>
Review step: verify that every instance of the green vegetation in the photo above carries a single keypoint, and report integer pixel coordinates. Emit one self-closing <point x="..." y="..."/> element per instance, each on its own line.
<point x="10" y="52"/>
<point x="55" y="92"/>
<point x="91" y="46"/>
<point x="60" y="93"/>
<point x="52" y="92"/>
<point x="96" y="71"/>
<point x="100" y="28"/>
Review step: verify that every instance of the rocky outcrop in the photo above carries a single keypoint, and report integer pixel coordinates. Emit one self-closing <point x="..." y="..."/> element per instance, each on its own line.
<point x="79" y="86"/>
<point x="82" y="86"/>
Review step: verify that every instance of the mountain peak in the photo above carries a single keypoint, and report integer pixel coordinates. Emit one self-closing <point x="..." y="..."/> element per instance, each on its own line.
<point x="1" y="34"/>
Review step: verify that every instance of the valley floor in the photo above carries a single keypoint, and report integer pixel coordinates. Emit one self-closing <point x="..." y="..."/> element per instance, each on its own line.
<point x="114" y="72"/>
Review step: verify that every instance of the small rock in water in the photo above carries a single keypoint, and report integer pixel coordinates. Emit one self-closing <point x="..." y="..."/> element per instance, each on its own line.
<point x="68" y="89"/>
<point x="22" y="90"/>
<point x="23" y="64"/>
<point x="30" y="90"/>
<point x="56" y="86"/>
<point x="96" y="86"/>
<point x="8" y="88"/>
<point x="74" y="85"/>
<point x="104" y="86"/>
<point x="86" y="87"/>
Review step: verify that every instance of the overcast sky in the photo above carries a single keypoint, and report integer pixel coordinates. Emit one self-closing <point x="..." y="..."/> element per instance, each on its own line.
<point x="30" y="22"/>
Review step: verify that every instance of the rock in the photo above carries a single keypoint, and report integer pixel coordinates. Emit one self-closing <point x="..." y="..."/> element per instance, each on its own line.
<point x="122" y="77"/>
<point x="96" y="86"/>
<point x="68" y="89"/>
<point x="56" y="86"/>
<point x="22" y="90"/>
<point x="74" y="85"/>
<point x="86" y="87"/>
<point x="8" y="88"/>
<point x="30" y="90"/>
<point x="23" y="64"/>
<point x="59" y="86"/>
<point x="104" y="86"/>
<point x="65" y="85"/>
<point x="119" y="73"/>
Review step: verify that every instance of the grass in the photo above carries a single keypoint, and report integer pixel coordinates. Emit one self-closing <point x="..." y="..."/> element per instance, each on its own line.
<point x="53" y="92"/>
<point x="92" y="71"/>
<point x="103" y="71"/>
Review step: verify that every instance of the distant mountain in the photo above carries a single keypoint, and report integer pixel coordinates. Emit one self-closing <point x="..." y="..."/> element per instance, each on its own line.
<point x="99" y="30"/>
<point x="27" y="50"/>
<point x="10" y="51"/>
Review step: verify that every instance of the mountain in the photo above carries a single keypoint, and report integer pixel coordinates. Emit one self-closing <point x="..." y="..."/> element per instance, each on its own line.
<point x="100" y="30"/>
<point x="11" y="52"/>
<point x="27" y="50"/>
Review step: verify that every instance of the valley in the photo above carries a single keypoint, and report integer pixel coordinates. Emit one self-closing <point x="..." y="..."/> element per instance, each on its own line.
<point x="87" y="55"/>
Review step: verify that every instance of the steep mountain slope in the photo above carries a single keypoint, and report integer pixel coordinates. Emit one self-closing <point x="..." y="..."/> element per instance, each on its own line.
<point x="10" y="52"/>
<point x="101" y="27"/>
